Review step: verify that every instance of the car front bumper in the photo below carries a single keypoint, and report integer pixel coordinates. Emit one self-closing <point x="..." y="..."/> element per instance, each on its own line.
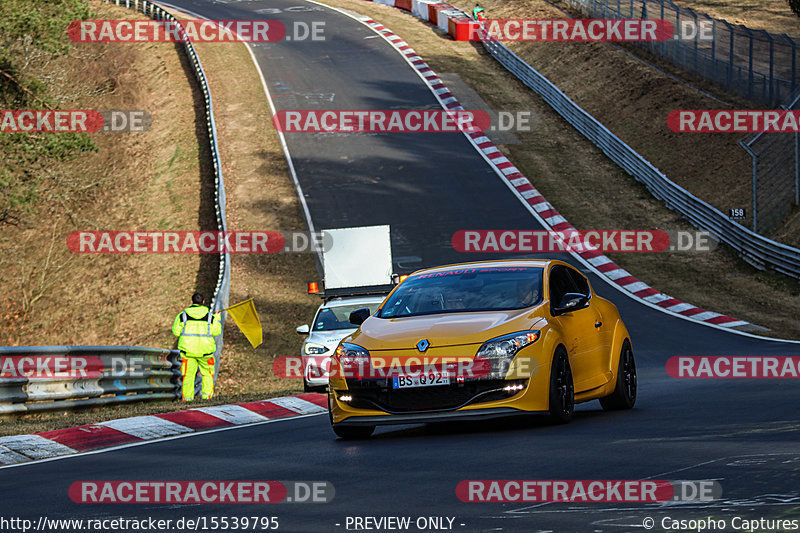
<point x="354" y="411"/>
<point x="432" y="417"/>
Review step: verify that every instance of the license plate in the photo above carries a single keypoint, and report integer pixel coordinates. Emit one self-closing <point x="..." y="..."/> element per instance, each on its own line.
<point x="427" y="380"/>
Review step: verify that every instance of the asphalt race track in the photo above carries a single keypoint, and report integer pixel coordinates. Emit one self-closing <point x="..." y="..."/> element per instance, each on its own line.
<point x="744" y="434"/>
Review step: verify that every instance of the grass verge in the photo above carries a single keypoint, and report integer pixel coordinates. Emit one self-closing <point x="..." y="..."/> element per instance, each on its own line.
<point x="153" y="180"/>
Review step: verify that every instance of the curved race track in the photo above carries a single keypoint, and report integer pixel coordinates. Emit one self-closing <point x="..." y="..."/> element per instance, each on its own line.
<point x="742" y="433"/>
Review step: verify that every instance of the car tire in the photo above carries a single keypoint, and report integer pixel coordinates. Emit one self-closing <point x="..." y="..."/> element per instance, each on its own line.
<point x="562" y="388"/>
<point x="624" y="395"/>
<point x="353" y="432"/>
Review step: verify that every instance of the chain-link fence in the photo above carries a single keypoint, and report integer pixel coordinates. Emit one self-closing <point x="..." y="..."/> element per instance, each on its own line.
<point x="776" y="173"/>
<point x="753" y="63"/>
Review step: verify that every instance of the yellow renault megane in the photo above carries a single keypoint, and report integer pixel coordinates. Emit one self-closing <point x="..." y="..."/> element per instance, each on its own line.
<point x="481" y="340"/>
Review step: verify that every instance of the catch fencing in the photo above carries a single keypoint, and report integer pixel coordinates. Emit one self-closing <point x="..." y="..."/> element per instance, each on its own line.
<point x="756" y="64"/>
<point x="776" y="174"/>
<point x="756" y="249"/>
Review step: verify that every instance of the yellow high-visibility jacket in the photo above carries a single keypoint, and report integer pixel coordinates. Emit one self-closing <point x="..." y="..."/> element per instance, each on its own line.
<point x="196" y="326"/>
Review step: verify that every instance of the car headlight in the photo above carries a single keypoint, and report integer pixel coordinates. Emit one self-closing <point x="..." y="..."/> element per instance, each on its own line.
<point x="352" y="357"/>
<point x="311" y="348"/>
<point x="501" y="350"/>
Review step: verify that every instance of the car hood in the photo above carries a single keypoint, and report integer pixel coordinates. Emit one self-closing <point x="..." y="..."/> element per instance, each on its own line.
<point x="449" y="329"/>
<point x="329" y="338"/>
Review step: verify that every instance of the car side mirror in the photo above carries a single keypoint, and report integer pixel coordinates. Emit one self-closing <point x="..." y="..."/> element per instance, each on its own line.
<point x="572" y="301"/>
<point x="302" y="330"/>
<point x="358" y="316"/>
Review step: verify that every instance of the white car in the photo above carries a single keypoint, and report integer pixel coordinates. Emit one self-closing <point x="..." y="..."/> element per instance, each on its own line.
<point x="331" y="324"/>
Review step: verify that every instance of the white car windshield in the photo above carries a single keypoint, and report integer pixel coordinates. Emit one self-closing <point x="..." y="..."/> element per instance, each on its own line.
<point x="464" y="290"/>
<point x="338" y="316"/>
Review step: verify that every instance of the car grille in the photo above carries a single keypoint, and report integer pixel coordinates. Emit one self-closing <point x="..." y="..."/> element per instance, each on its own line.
<point x="372" y="394"/>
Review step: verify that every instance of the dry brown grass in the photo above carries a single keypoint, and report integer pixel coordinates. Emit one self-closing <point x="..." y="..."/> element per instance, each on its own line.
<point x="157" y="179"/>
<point x="260" y="197"/>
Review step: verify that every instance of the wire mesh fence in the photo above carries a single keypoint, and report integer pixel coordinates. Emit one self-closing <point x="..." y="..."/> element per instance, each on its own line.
<point x="755" y="64"/>
<point x="776" y="173"/>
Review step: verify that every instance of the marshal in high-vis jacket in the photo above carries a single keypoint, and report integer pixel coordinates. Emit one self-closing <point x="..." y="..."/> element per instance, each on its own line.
<point x="196" y="326"/>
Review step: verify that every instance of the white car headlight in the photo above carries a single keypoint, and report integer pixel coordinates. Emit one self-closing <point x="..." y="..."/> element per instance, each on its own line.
<point x="501" y="350"/>
<point x="311" y="348"/>
<point x="507" y="346"/>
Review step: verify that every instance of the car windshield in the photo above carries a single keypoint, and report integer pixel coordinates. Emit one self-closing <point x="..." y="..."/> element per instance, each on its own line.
<point x="467" y="289"/>
<point x="338" y="316"/>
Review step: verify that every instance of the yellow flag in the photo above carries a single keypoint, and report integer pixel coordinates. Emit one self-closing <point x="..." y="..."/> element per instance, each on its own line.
<point x="245" y="316"/>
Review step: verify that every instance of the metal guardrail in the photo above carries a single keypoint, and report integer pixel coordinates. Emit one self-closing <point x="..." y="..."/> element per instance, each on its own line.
<point x="149" y="373"/>
<point x="103" y="375"/>
<point x="757" y="250"/>
<point x="753" y="63"/>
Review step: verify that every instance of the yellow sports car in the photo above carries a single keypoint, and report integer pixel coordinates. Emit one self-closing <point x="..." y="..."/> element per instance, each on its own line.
<point x="481" y="340"/>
